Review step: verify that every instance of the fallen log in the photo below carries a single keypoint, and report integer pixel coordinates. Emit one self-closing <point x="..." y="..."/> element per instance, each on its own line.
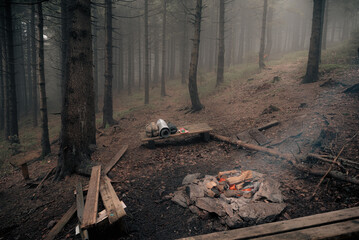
<point x="287" y="157"/>
<point x="343" y="161"/>
<point x="268" y="125"/>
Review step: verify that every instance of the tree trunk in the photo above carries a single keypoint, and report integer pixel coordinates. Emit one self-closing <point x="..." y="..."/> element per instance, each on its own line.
<point x="107" y="102"/>
<point x="315" y="40"/>
<point x="184" y="61"/>
<point x="64" y="43"/>
<point x="139" y="55"/>
<point x="2" y="71"/>
<point x="45" y="142"/>
<point x="20" y="78"/>
<point x="241" y="36"/>
<point x="13" y="134"/>
<point x="120" y="83"/>
<point x="325" y="27"/>
<point x="268" y="48"/>
<point x="163" y="73"/>
<point x="147" y="64"/>
<point x="220" y="67"/>
<point x="156" y="51"/>
<point x="95" y="57"/>
<point x="192" y="81"/>
<point x="172" y="59"/>
<point x="263" y="35"/>
<point x="78" y="127"/>
<point x="28" y="65"/>
<point x="35" y="107"/>
<point x="130" y="61"/>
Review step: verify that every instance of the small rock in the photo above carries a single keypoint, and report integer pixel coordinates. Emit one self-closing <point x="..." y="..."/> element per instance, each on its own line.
<point x="261" y="212"/>
<point x="269" y="189"/>
<point x="211" y="205"/>
<point x="190" y="178"/>
<point x="234" y="222"/>
<point x="201" y="214"/>
<point x="270" y="109"/>
<point x="180" y="198"/>
<point x="51" y="224"/>
<point x="195" y="191"/>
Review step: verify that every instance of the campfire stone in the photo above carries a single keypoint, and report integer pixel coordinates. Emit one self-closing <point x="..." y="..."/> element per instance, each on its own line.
<point x="196" y="210"/>
<point x="211" y="205"/>
<point x="227" y="208"/>
<point x="190" y="178"/>
<point x="261" y="212"/>
<point x="180" y="198"/>
<point x="269" y="189"/>
<point x="195" y="191"/>
<point x="234" y="222"/>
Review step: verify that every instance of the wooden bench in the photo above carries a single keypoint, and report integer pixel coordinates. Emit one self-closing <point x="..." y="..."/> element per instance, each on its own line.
<point x="200" y="128"/>
<point x="341" y="224"/>
<point x="22" y="161"/>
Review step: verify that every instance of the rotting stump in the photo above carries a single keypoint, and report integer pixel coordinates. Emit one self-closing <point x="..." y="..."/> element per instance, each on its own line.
<point x="200" y="128"/>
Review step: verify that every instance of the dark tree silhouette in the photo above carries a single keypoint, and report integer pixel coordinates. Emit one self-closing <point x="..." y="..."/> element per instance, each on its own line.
<point x="263" y="35"/>
<point x="107" y="101"/>
<point x="315" y="43"/>
<point x="45" y="142"/>
<point x="78" y="107"/>
<point x="163" y="74"/>
<point x="220" y="62"/>
<point x="147" y="64"/>
<point x="192" y="81"/>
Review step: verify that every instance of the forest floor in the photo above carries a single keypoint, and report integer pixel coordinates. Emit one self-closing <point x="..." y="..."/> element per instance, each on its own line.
<point x="144" y="176"/>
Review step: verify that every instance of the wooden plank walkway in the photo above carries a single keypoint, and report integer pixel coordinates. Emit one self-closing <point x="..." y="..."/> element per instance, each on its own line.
<point x="199" y="128"/>
<point x="337" y="224"/>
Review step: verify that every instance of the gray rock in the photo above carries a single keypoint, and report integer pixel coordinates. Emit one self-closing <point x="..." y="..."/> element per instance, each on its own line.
<point x="201" y="214"/>
<point x="180" y="198"/>
<point x="211" y="205"/>
<point x="234" y="222"/>
<point x="261" y="212"/>
<point x="269" y="189"/>
<point x="190" y="178"/>
<point x="227" y="208"/>
<point x="195" y="191"/>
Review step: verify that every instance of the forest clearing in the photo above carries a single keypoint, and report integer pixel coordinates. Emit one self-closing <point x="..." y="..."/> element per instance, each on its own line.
<point x="270" y="139"/>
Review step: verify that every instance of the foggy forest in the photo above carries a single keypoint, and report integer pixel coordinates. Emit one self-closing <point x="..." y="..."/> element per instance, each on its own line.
<point x="179" y="119"/>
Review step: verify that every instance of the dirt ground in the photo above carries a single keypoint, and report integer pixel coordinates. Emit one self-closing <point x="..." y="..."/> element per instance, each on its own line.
<point x="143" y="176"/>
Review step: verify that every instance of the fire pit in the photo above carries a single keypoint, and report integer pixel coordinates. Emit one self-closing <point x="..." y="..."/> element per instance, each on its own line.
<point x="236" y="198"/>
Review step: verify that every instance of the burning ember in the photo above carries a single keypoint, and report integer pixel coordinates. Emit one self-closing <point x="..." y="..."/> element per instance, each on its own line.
<point x="236" y="198"/>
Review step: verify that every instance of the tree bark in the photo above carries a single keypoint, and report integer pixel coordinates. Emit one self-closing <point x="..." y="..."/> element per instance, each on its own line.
<point x="192" y="81"/>
<point x="139" y="55"/>
<point x="78" y="129"/>
<point x="163" y="73"/>
<point x="220" y="66"/>
<point x="156" y="51"/>
<point x="2" y="71"/>
<point x="130" y="61"/>
<point x="315" y="42"/>
<point x="268" y="47"/>
<point x="28" y="65"/>
<point x="263" y="35"/>
<point x="147" y="64"/>
<point x="95" y="57"/>
<point x="64" y="43"/>
<point x="325" y="27"/>
<point x="35" y="107"/>
<point x="184" y="61"/>
<point x="107" y="102"/>
<point x="45" y="142"/>
<point x="120" y="83"/>
<point x="13" y="134"/>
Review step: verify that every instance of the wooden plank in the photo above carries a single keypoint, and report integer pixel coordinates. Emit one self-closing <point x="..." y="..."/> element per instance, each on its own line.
<point x="268" y="125"/>
<point x="80" y="209"/>
<point x="342" y="230"/>
<point x="115" y="159"/>
<point x="110" y="199"/>
<point x="192" y="129"/>
<point x="258" y="137"/>
<point x="61" y="224"/>
<point x="91" y="205"/>
<point x="23" y="158"/>
<point x="284" y="226"/>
